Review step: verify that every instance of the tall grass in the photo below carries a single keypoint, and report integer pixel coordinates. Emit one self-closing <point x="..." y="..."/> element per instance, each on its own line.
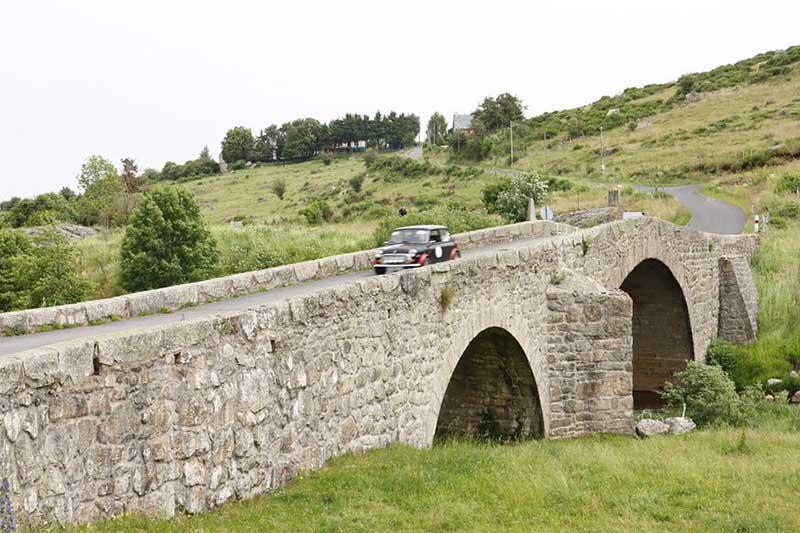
<point x="257" y="247"/>
<point x="776" y="268"/>
<point x="98" y="262"/>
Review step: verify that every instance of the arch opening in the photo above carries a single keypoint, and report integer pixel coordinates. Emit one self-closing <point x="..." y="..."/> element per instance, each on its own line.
<point x="492" y="393"/>
<point x="662" y="333"/>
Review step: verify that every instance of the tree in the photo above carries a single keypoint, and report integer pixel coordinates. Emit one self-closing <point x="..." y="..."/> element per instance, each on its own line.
<point x="437" y="128"/>
<point x="130" y="176"/>
<point x="95" y="168"/>
<point x="44" y="209"/>
<point x="13" y="244"/>
<point x="167" y="242"/>
<point x="303" y="139"/>
<point x="104" y="203"/>
<point x="38" y="272"/>
<point x="510" y="197"/>
<point x="237" y="144"/>
<point x="496" y="113"/>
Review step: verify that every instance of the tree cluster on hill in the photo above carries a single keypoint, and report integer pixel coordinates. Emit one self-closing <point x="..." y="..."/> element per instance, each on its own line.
<point x="106" y="198"/>
<point x="304" y="138"/>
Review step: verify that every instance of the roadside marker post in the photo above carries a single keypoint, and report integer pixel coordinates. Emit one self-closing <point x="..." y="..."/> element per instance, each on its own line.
<point x="755" y="223"/>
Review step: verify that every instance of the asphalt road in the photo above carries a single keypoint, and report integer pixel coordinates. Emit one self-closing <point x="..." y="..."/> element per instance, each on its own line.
<point x="11" y="345"/>
<point x="708" y="214"/>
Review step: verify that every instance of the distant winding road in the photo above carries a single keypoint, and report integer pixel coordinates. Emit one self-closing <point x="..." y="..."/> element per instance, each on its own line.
<point x="708" y="214"/>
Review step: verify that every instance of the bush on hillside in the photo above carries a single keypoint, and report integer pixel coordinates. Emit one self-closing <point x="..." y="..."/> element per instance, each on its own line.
<point x="278" y="187"/>
<point x="356" y="182"/>
<point x="789" y="182"/>
<point x="317" y="212"/>
<point x="326" y="158"/>
<point x="38" y="272"/>
<point x="167" y="242"/>
<point x="709" y="396"/>
<point x="401" y="167"/>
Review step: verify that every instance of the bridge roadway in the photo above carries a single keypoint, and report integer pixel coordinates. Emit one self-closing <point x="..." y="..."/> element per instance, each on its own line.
<point x="16" y="344"/>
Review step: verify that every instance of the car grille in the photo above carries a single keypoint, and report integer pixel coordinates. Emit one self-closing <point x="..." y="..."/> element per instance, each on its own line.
<point x="395" y="259"/>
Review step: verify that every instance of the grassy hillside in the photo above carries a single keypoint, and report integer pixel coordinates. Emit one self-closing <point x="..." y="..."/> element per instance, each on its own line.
<point x="690" y="140"/>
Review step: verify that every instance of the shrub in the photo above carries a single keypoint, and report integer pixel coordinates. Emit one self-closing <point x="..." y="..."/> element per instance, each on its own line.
<point x="730" y="359"/>
<point x="789" y="183"/>
<point x="317" y="212"/>
<point x="356" y="182"/>
<point x="370" y="156"/>
<point x="327" y="159"/>
<point x="166" y="243"/>
<point x="510" y="198"/>
<point x="278" y="187"/>
<point x="239" y="164"/>
<point x="708" y="394"/>
<point x="38" y="272"/>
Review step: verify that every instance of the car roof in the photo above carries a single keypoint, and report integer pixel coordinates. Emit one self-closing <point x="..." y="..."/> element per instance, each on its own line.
<point x="423" y="226"/>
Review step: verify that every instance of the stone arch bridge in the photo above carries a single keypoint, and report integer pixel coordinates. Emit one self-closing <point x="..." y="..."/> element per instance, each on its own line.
<point x="549" y="332"/>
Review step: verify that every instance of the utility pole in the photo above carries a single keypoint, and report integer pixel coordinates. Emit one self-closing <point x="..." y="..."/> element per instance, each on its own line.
<point x="512" y="144"/>
<point x="602" y="153"/>
<point x="545" y="149"/>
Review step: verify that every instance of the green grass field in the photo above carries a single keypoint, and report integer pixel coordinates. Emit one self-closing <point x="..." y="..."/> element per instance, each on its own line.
<point x="710" y="480"/>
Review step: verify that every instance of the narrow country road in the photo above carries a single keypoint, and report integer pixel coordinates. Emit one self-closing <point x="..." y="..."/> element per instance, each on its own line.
<point x="708" y="214"/>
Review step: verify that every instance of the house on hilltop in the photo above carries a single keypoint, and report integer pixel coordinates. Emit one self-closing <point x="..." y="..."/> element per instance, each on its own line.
<point x="462" y="123"/>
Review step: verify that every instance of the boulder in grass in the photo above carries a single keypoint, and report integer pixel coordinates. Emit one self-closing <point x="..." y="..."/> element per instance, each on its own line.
<point x="648" y="427"/>
<point x="795" y="397"/>
<point x="678" y="425"/>
<point x="774" y="382"/>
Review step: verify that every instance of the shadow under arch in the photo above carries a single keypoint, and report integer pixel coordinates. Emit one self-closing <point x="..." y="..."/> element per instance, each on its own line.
<point x="662" y="332"/>
<point x="492" y="393"/>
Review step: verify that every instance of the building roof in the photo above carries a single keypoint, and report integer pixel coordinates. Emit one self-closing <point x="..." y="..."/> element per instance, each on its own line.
<point x="462" y="122"/>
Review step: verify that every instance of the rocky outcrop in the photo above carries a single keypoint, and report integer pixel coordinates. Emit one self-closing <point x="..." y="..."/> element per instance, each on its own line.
<point x="73" y="232"/>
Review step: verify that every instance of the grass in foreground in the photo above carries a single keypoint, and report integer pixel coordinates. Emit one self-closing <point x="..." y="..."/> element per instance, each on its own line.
<point x="713" y="480"/>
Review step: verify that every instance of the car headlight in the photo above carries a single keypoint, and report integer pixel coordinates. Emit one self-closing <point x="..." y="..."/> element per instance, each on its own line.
<point x="412" y="252"/>
<point x="379" y="253"/>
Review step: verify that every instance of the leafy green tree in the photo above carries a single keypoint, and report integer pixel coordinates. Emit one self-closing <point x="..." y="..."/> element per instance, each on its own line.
<point x="13" y="245"/>
<point x="95" y="168"/>
<point x="497" y="113"/>
<point x="38" y="272"/>
<point x="237" y="144"/>
<point x="130" y="176"/>
<point x="104" y="203"/>
<point x="303" y="139"/>
<point x="436" y="131"/>
<point x="167" y="242"/>
<point x="510" y="198"/>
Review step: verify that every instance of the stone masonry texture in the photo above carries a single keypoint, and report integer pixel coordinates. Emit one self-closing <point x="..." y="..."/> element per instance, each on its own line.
<point x="188" y="416"/>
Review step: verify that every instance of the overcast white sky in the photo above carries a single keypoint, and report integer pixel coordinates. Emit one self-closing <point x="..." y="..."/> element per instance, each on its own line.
<point x="158" y="80"/>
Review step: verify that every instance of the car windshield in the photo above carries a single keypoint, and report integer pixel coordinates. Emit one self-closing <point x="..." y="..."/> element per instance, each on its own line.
<point x="411" y="236"/>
